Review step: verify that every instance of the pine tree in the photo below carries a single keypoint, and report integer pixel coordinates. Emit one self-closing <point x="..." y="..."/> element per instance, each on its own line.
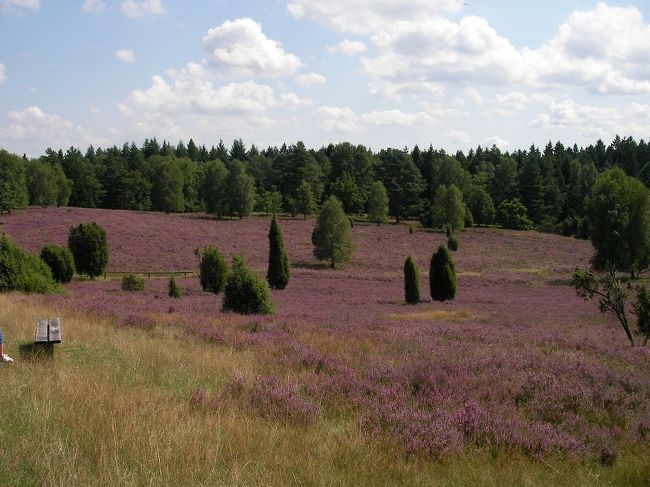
<point x="411" y="281"/>
<point x="442" y="275"/>
<point x="278" y="273"/>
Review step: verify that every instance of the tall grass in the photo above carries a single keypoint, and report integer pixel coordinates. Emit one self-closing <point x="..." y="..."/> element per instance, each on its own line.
<point x="114" y="408"/>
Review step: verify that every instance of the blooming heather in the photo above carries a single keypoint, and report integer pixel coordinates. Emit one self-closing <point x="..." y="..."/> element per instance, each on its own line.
<point x="517" y="362"/>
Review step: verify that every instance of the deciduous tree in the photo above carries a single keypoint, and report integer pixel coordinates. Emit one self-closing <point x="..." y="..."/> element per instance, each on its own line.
<point x="331" y="236"/>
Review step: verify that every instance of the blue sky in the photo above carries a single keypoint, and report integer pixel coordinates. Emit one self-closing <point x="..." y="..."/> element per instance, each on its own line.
<point x="450" y="73"/>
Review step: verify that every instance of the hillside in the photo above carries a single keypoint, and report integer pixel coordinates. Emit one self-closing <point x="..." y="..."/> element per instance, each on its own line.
<point x="516" y="381"/>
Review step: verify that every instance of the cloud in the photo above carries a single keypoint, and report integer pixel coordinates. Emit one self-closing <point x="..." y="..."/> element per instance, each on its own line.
<point x="93" y="6"/>
<point x="590" y="121"/>
<point x="135" y="9"/>
<point x="192" y="89"/>
<point x="349" y="48"/>
<point x="32" y="130"/>
<point x="240" y="48"/>
<point x="125" y="55"/>
<point x="431" y="52"/>
<point x="459" y="137"/>
<point x="191" y="103"/>
<point x="3" y="75"/>
<point x="346" y="120"/>
<point x="293" y="101"/>
<point x="604" y="50"/>
<point x="587" y="120"/>
<point x="498" y="141"/>
<point x="310" y="79"/>
<point x="9" y="5"/>
<point x="395" y="90"/>
<point x="367" y="16"/>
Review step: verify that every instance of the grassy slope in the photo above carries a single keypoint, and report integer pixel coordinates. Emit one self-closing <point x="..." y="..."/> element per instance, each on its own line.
<point x="114" y="408"/>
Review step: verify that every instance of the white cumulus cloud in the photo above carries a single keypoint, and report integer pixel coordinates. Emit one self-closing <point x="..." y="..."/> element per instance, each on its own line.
<point x="592" y="120"/>
<point x="240" y="48"/>
<point x="498" y="141"/>
<point x="367" y="16"/>
<point x="3" y="75"/>
<point x="125" y="55"/>
<point x="32" y="130"/>
<point x="93" y="6"/>
<point x="190" y="102"/>
<point x="441" y="51"/>
<point x="605" y="50"/>
<point x="459" y="137"/>
<point x="310" y="79"/>
<point x="9" y="5"/>
<point x="349" y="48"/>
<point x="346" y="120"/>
<point x="293" y="101"/>
<point x="602" y="50"/>
<point x="134" y="8"/>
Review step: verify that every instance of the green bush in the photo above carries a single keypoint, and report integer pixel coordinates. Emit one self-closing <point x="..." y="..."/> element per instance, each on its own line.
<point x="172" y="288"/>
<point x="89" y="247"/>
<point x="20" y="271"/>
<point x="278" y="273"/>
<point x="442" y="275"/>
<point x="246" y="292"/>
<point x="513" y="214"/>
<point x="452" y="243"/>
<point x="60" y="262"/>
<point x="411" y="281"/>
<point x="131" y="282"/>
<point x="213" y="270"/>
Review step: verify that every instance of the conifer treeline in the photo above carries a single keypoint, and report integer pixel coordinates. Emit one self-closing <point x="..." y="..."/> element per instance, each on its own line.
<point x="547" y="187"/>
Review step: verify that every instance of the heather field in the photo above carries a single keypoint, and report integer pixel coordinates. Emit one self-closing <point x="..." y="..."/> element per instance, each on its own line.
<point x="516" y="382"/>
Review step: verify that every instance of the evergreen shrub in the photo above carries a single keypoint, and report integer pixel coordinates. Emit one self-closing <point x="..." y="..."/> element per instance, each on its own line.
<point x="411" y="281"/>
<point x="20" y="271"/>
<point x="131" y="282"/>
<point x="278" y="272"/>
<point x="89" y="248"/>
<point x="246" y="292"/>
<point x="172" y="288"/>
<point x="452" y="243"/>
<point x="60" y="261"/>
<point x="213" y="270"/>
<point x="442" y="275"/>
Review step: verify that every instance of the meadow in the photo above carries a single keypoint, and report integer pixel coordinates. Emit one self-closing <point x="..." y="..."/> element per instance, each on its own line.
<point x="516" y="382"/>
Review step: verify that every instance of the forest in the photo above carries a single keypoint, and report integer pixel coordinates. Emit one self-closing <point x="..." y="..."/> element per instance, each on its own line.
<point x="547" y="188"/>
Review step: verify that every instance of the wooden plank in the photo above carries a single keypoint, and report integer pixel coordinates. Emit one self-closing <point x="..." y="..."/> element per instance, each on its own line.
<point x="55" y="330"/>
<point x="41" y="331"/>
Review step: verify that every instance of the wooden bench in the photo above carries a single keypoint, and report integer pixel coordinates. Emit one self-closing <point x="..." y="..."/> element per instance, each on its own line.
<point x="48" y="332"/>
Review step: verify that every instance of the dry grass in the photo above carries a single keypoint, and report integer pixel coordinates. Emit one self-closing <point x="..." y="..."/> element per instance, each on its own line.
<point x="435" y="315"/>
<point x="536" y="271"/>
<point x="113" y="408"/>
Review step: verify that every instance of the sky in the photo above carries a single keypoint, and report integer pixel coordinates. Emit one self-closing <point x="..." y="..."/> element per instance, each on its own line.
<point x="384" y="73"/>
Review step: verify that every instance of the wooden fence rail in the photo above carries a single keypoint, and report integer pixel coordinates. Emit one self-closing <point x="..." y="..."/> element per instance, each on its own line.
<point x="152" y="273"/>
